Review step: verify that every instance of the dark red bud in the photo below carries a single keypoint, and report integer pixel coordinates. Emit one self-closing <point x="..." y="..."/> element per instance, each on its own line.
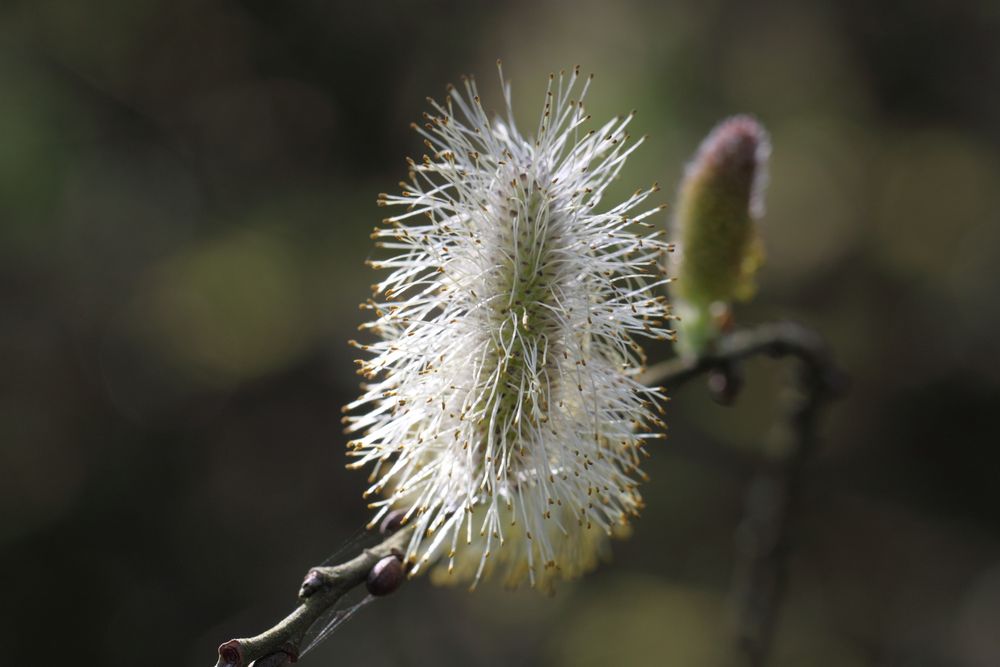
<point x="724" y="383"/>
<point x="385" y="577"/>
<point x="392" y="521"/>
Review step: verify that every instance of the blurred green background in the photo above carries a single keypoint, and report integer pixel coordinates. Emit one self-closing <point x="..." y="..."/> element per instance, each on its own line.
<point x="186" y="192"/>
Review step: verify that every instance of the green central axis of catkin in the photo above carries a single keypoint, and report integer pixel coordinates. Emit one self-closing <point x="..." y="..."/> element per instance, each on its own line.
<point x="523" y="323"/>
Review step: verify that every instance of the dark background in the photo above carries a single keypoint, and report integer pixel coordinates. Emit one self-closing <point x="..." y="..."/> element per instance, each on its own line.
<point x="186" y="192"/>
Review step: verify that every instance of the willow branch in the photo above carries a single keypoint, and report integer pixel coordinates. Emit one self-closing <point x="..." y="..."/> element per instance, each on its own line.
<point x="325" y="586"/>
<point x="776" y="340"/>
<point x="764" y="539"/>
<point x="320" y="591"/>
<point x="764" y="536"/>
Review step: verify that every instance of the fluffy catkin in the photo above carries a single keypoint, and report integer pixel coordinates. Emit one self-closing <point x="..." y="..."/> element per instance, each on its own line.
<point x="501" y="410"/>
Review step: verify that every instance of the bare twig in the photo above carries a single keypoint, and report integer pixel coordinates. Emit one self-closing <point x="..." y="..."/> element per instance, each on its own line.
<point x="764" y="535"/>
<point x="764" y="538"/>
<point x="778" y="340"/>
<point x="763" y="562"/>
<point x="320" y="591"/>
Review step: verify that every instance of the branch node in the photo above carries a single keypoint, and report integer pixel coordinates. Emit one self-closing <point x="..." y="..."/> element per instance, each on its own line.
<point x="321" y="588"/>
<point x="231" y="654"/>
<point x="313" y="582"/>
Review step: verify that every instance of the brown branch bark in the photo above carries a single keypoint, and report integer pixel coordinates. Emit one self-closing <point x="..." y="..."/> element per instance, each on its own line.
<point x="320" y="591"/>
<point x="764" y="537"/>
<point x="763" y="562"/>
<point x="780" y="339"/>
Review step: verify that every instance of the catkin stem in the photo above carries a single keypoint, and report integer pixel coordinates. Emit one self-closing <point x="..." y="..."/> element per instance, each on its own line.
<point x="760" y="572"/>
<point x="323" y="588"/>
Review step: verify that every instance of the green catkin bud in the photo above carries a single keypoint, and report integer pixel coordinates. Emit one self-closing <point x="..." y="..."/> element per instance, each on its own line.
<point x="718" y="247"/>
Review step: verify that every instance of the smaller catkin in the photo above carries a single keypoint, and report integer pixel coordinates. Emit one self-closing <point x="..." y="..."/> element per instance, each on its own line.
<point x="719" y="251"/>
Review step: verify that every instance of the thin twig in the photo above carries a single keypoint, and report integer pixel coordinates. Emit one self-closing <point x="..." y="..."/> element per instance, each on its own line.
<point x="764" y="535"/>
<point x="764" y="538"/>
<point x="820" y="381"/>
<point x="778" y="340"/>
<point x="322" y="588"/>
